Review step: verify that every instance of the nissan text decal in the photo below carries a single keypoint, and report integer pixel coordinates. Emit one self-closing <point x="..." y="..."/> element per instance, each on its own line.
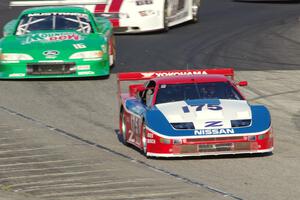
<point x="225" y="131"/>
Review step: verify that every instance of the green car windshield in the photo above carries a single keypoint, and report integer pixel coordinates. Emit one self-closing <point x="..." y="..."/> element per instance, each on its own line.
<point x="54" y="21"/>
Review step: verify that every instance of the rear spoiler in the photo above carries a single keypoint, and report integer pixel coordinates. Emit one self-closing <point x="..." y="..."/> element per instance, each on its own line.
<point x="56" y="3"/>
<point x="139" y="76"/>
<point x="136" y="76"/>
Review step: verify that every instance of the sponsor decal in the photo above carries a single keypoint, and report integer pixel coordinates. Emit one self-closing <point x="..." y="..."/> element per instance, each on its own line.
<point x="143" y="2"/>
<point x="17" y="75"/>
<point x="147" y="75"/>
<point x="50" y="37"/>
<point x="59" y="14"/>
<point x="151" y="141"/>
<point x="86" y="73"/>
<point x="225" y="131"/>
<point x="104" y="48"/>
<point x="164" y="141"/>
<point x="83" y="67"/>
<point x="51" y="53"/>
<point x="213" y="124"/>
<point x="149" y="135"/>
<point x="162" y="74"/>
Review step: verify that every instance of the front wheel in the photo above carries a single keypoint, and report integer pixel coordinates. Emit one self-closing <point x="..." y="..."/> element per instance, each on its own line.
<point x="144" y="139"/>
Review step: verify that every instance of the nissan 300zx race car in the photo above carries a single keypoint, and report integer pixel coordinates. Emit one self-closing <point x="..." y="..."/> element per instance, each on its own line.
<point x="191" y="113"/>
<point x="131" y="16"/>
<point x="52" y="42"/>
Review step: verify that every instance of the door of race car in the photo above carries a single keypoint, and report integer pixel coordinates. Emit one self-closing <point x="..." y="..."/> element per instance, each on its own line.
<point x="177" y="10"/>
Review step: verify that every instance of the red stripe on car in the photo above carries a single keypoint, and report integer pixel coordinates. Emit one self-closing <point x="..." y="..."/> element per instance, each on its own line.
<point x="100" y="8"/>
<point x="115" y="5"/>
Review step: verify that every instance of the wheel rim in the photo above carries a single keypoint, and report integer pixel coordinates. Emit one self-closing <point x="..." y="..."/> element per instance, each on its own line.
<point x="123" y="127"/>
<point x="165" y="16"/>
<point x="195" y="14"/>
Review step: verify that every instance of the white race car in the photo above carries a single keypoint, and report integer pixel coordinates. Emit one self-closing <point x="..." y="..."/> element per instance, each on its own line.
<point x="132" y="16"/>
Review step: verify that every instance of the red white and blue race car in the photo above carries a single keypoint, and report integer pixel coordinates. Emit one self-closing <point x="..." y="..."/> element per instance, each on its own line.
<point x="132" y="16"/>
<point x="191" y="113"/>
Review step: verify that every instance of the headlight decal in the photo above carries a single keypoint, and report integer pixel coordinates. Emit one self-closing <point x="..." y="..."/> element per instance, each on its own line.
<point x="240" y="123"/>
<point x="87" y="55"/>
<point x="183" y="125"/>
<point x="15" y="57"/>
<point x="143" y="2"/>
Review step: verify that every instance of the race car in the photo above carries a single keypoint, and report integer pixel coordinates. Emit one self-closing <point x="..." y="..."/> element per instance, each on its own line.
<point x="55" y="42"/>
<point x="191" y="113"/>
<point x="132" y="16"/>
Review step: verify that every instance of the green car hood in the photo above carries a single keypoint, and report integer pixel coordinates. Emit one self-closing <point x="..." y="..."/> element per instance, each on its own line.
<point x="63" y="43"/>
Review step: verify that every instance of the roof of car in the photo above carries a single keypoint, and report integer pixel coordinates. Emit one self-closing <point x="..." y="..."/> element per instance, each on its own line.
<point x="53" y="9"/>
<point x="190" y="79"/>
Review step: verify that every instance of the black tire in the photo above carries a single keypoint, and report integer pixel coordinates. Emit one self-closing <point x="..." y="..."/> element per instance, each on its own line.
<point x="114" y="52"/>
<point x="165" y="20"/>
<point x="123" y="127"/>
<point x="195" y="16"/>
<point x="144" y="140"/>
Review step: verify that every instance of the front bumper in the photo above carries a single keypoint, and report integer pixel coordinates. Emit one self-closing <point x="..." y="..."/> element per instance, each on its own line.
<point x="54" y="69"/>
<point x="158" y="146"/>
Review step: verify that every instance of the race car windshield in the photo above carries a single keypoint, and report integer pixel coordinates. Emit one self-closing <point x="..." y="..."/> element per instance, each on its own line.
<point x="180" y="92"/>
<point x="54" y="21"/>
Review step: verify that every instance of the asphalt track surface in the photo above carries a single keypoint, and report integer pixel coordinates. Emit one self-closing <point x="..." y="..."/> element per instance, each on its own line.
<point x="58" y="137"/>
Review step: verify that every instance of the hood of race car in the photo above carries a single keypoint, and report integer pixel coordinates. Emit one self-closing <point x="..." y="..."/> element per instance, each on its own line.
<point x="205" y="114"/>
<point x="208" y="118"/>
<point x="63" y="43"/>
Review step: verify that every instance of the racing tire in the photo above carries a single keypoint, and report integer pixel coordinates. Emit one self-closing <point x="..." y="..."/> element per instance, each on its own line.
<point x="144" y="140"/>
<point x="195" y="15"/>
<point x="123" y="127"/>
<point x="165" y="20"/>
<point x="112" y="52"/>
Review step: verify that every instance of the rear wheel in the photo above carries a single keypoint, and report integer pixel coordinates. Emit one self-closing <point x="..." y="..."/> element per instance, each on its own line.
<point x="123" y="127"/>
<point x="112" y="52"/>
<point x="165" y="17"/>
<point x="195" y="7"/>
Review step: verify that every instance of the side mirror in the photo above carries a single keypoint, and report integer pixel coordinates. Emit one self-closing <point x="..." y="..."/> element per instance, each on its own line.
<point x="136" y="89"/>
<point x="9" y="27"/>
<point x="242" y="83"/>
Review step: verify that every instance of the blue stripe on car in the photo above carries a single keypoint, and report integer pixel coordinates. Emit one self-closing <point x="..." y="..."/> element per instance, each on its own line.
<point x="156" y="121"/>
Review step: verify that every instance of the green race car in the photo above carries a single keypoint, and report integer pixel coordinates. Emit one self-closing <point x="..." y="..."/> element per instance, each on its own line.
<point x="55" y="42"/>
